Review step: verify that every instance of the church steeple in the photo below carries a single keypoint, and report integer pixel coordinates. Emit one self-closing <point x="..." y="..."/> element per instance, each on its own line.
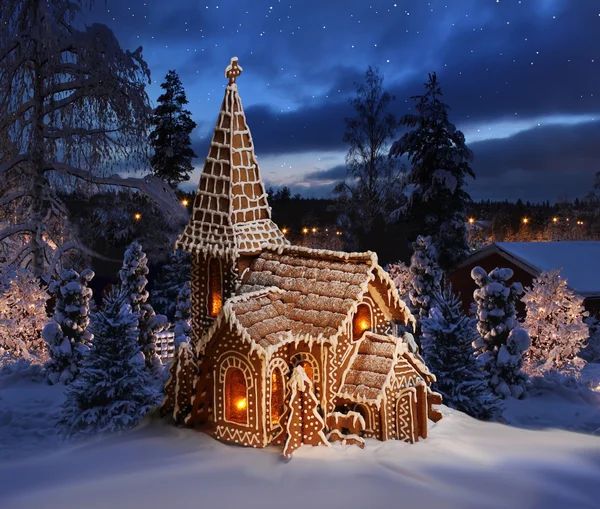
<point x="231" y="218"/>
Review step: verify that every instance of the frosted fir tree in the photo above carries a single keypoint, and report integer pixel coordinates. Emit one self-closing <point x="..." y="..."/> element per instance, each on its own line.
<point x="183" y="315"/>
<point x="502" y="344"/>
<point x="440" y="164"/>
<point x="113" y="390"/>
<point x="168" y="283"/>
<point x="554" y="321"/>
<point x="22" y="316"/>
<point x="426" y="278"/>
<point x="179" y="388"/>
<point x="133" y="281"/>
<point x="170" y="137"/>
<point x="447" y="340"/>
<point x="67" y="334"/>
<point x="401" y="276"/>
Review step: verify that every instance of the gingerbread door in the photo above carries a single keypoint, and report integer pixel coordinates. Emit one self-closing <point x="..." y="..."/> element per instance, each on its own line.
<point x="406" y="415"/>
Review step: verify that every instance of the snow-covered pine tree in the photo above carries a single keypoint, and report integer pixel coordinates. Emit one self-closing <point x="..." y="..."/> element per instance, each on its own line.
<point x="554" y="321"/>
<point x="440" y="164"/>
<point x="73" y="107"/>
<point x="133" y="281"/>
<point x="170" y="137"/>
<point x="503" y="343"/>
<point x="183" y="315"/>
<point x="22" y="316"/>
<point x="168" y="283"/>
<point x="426" y="277"/>
<point x="67" y="334"/>
<point x="447" y="340"/>
<point x="113" y="390"/>
<point x="401" y="276"/>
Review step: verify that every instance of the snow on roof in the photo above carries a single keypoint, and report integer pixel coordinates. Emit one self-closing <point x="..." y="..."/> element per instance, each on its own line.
<point x="230" y="213"/>
<point x="579" y="261"/>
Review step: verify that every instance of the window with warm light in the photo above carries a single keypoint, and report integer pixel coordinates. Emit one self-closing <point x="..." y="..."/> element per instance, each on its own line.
<point x="236" y="396"/>
<point x="215" y="287"/>
<point x="277" y="395"/>
<point x="361" y="321"/>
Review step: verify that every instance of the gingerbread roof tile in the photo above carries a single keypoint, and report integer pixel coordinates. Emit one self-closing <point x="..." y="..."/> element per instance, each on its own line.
<point x="291" y="292"/>
<point x="230" y="213"/>
<point x="376" y="361"/>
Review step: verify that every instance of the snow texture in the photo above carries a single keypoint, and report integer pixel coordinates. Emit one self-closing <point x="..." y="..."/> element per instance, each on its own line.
<point x="502" y="344"/>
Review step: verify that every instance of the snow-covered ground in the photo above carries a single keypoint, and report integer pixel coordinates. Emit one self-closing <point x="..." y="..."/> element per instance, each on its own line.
<point x="463" y="464"/>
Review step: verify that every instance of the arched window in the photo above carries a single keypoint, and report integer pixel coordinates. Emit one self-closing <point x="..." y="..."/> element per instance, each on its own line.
<point x="215" y="287"/>
<point x="362" y="320"/>
<point x="277" y="395"/>
<point x="236" y="396"/>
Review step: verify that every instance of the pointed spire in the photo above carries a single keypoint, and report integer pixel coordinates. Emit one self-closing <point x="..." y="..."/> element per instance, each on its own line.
<point x="230" y="214"/>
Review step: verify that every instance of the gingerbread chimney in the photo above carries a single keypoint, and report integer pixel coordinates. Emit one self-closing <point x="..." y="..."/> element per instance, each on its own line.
<point x="231" y="218"/>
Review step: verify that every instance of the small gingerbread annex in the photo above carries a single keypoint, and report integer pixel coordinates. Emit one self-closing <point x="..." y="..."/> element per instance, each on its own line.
<point x="290" y="345"/>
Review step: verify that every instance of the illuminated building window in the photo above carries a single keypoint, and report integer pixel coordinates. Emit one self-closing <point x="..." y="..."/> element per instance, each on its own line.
<point x="361" y="321"/>
<point x="215" y="287"/>
<point x="236" y="396"/>
<point x="277" y="395"/>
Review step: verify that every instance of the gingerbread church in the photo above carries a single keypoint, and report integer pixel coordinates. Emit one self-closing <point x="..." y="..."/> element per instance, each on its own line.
<point x="290" y="345"/>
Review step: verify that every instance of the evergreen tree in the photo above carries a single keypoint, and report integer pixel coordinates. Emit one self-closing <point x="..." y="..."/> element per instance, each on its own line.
<point x="425" y="280"/>
<point x="22" y="316"/>
<point x="502" y="344"/>
<point x="113" y="390"/>
<point x="133" y="281"/>
<point x="169" y="281"/>
<point x="67" y="334"/>
<point x="374" y="183"/>
<point x="170" y="138"/>
<point x="555" y="325"/>
<point x="440" y="164"/>
<point x="401" y="276"/>
<point x="183" y="315"/>
<point x="447" y="340"/>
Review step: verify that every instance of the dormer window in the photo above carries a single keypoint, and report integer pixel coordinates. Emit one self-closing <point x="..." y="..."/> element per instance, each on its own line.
<point x="362" y="321"/>
<point x="215" y="287"/>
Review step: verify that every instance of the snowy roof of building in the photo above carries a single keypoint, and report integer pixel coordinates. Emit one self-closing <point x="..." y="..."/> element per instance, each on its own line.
<point x="292" y="293"/>
<point x="579" y="261"/>
<point x="373" y="366"/>
<point x="230" y="213"/>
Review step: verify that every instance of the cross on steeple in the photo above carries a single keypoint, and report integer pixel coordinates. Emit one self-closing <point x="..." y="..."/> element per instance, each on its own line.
<point x="233" y="70"/>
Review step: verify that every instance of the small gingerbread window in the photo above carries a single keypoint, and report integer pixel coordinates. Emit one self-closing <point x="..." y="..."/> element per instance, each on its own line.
<point x="236" y="396"/>
<point x="362" y="320"/>
<point x="215" y="287"/>
<point x="277" y="395"/>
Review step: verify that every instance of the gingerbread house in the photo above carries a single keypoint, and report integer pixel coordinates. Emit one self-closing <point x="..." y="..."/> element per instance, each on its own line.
<point x="291" y="345"/>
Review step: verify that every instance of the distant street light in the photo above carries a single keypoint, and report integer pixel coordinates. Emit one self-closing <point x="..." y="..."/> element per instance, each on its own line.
<point x="305" y="230"/>
<point x="185" y="203"/>
<point x="525" y="220"/>
<point x="471" y="220"/>
<point x="555" y="219"/>
<point x="284" y="231"/>
<point x="137" y="216"/>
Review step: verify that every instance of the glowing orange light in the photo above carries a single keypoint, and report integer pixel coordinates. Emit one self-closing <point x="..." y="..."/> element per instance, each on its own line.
<point x="314" y="230"/>
<point x="305" y="230"/>
<point x="364" y="325"/>
<point x="525" y="220"/>
<point x="338" y="233"/>
<point x="185" y="203"/>
<point x="241" y="404"/>
<point x="284" y="231"/>
<point x="555" y="219"/>
<point x="471" y="220"/>
<point x="137" y="216"/>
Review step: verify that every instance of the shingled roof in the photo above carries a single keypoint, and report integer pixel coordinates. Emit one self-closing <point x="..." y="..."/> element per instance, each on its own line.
<point x="230" y="214"/>
<point x="292" y="292"/>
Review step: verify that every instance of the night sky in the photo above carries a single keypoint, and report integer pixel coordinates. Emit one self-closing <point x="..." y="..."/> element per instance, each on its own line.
<point x="521" y="78"/>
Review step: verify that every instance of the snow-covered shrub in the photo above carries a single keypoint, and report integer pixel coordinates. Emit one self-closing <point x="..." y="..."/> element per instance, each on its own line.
<point x="168" y="283"/>
<point x="22" y="316"/>
<point x="133" y="282"/>
<point x="66" y="335"/>
<point x="113" y="390"/>
<point x="502" y="344"/>
<point x="425" y="278"/>
<point x="554" y="321"/>
<point x="183" y="315"/>
<point x="401" y="276"/>
<point x="447" y="340"/>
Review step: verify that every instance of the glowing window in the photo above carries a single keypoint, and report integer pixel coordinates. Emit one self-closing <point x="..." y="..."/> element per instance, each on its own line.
<point x="215" y="287"/>
<point x="361" y="321"/>
<point x="277" y="396"/>
<point x="236" y="396"/>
